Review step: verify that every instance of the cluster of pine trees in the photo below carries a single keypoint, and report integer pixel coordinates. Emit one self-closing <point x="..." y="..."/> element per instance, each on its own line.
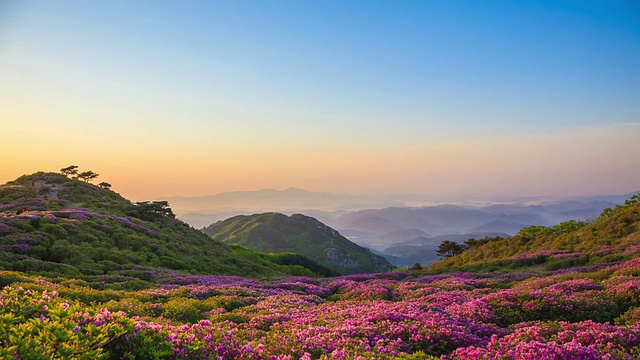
<point x="86" y="176"/>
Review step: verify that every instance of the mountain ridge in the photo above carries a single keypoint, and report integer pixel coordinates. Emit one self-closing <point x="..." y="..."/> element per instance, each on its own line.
<point x="301" y="234"/>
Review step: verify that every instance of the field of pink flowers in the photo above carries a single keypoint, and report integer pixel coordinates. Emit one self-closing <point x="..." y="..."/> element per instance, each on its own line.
<point x="584" y="313"/>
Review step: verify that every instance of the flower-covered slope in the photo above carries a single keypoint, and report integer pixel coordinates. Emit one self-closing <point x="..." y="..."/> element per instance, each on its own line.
<point x="613" y="236"/>
<point x="49" y="223"/>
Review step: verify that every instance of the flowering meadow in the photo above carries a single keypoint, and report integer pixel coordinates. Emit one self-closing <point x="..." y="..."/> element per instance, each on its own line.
<point x="581" y="313"/>
<point x="84" y="277"/>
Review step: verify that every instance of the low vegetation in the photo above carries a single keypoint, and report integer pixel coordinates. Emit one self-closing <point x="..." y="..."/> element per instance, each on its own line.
<point x="582" y="313"/>
<point x="85" y="274"/>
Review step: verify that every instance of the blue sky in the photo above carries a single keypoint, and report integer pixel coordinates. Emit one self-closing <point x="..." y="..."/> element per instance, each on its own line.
<point x="235" y="85"/>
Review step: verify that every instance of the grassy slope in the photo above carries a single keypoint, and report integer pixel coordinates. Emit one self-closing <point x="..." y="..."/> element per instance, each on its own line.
<point x="614" y="236"/>
<point x="76" y="228"/>
<point x="278" y="233"/>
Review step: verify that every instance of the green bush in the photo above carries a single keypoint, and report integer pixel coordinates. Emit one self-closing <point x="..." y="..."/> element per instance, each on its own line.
<point x="55" y="230"/>
<point x="43" y="190"/>
<point x="186" y="310"/>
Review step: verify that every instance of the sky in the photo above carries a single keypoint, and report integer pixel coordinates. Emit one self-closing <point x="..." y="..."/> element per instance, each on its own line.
<point x="442" y="98"/>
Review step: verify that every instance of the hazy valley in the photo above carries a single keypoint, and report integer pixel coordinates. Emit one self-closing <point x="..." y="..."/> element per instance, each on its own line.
<point x="404" y="234"/>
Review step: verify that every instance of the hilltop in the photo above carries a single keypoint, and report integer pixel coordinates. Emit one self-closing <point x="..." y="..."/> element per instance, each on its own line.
<point x="614" y="236"/>
<point x="300" y="234"/>
<point x="53" y="224"/>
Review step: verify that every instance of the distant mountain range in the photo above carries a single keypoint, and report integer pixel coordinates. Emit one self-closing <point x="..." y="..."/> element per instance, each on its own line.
<point x="200" y="211"/>
<point x="289" y="199"/>
<point x="299" y="234"/>
<point x="389" y="230"/>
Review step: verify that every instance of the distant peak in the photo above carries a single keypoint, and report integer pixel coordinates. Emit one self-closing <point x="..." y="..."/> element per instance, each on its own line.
<point x="295" y="189"/>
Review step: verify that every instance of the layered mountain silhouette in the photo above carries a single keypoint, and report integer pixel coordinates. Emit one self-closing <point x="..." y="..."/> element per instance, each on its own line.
<point x="409" y="235"/>
<point x="203" y="210"/>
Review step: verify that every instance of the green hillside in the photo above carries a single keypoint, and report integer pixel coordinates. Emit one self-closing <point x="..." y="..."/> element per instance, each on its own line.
<point x="52" y="224"/>
<point x="278" y="233"/>
<point x="613" y="236"/>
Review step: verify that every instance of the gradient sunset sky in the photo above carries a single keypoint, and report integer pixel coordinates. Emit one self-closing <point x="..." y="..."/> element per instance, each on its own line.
<point x="443" y="98"/>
